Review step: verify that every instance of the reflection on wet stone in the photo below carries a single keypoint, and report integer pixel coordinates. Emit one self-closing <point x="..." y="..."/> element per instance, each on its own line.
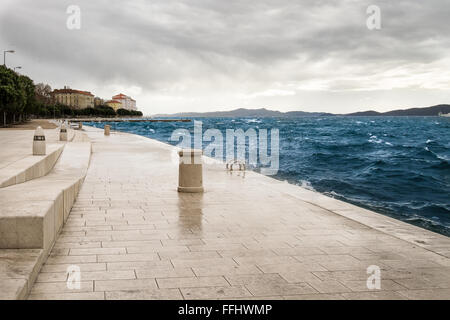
<point x="190" y="209"/>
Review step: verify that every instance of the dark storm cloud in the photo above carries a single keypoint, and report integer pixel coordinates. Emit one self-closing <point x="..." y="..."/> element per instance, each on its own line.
<point x="158" y="45"/>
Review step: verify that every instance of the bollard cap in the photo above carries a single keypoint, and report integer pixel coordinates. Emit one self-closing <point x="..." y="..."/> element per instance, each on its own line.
<point x="39" y="134"/>
<point x="190" y="152"/>
<point x="39" y="131"/>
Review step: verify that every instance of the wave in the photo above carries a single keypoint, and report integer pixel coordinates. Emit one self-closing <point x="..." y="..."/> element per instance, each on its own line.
<point x="253" y="121"/>
<point x="443" y="165"/>
<point x="306" y="185"/>
<point x="436" y="155"/>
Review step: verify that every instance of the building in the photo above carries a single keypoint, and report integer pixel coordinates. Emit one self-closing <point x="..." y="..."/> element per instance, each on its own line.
<point x="76" y="99"/>
<point x="126" y="101"/>
<point x="114" y="104"/>
<point x="98" y="101"/>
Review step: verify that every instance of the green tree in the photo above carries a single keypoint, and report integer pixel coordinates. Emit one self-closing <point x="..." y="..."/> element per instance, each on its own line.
<point x="28" y="87"/>
<point x="11" y="96"/>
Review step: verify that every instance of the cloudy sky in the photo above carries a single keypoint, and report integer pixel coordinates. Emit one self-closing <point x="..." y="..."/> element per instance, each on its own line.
<point x="205" y="55"/>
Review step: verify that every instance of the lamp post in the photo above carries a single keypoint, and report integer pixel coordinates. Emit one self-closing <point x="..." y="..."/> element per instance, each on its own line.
<point x="4" y="55"/>
<point x="18" y="67"/>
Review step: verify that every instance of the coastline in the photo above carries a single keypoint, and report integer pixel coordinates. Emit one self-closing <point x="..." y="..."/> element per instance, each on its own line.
<point x="405" y="231"/>
<point x="248" y="236"/>
<point x="368" y="163"/>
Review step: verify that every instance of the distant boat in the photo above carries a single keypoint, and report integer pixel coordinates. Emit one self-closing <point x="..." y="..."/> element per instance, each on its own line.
<point x="444" y="115"/>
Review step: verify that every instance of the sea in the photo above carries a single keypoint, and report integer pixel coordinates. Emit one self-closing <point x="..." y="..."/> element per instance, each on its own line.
<point x="397" y="166"/>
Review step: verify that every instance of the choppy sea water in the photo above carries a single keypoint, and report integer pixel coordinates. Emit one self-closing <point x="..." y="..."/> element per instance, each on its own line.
<point x="398" y="166"/>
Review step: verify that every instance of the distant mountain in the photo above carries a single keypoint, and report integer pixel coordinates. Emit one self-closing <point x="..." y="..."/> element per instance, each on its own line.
<point x="244" y="113"/>
<point x="429" y="111"/>
<point x="264" y="113"/>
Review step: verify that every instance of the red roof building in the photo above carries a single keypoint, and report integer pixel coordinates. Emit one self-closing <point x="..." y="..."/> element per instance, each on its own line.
<point x="77" y="99"/>
<point x="127" y="102"/>
<point x="72" y="91"/>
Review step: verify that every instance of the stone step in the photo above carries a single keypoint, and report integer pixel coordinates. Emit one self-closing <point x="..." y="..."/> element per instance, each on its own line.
<point x="32" y="213"/>
<point x="30" y="167"/>
<point x="31" y="216"/>
<point x="23" y="165"/>
<point x="18" y="271"/>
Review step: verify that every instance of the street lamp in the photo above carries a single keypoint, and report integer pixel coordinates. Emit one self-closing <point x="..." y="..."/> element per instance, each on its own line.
<point x="18" y="67"/>
<point x="4" y="55"/>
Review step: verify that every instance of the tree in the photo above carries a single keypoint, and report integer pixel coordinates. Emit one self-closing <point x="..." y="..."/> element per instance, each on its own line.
<point x="29" y="92"/>
<point x="13" y="95"/>
<point x="43" y="93"/>
<point x="20" y="96"/>
<point x="126" y="112"/>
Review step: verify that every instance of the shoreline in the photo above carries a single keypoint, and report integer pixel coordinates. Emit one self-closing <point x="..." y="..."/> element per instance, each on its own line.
<point x="420" y="221"/>
<point x="376" y="222"/>
<point x="247" y="236"/>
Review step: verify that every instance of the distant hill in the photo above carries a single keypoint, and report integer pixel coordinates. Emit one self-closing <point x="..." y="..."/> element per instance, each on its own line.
<point x="244" y="113"/>
<point x="264" y="113"/>
<point x="429" y="111"/>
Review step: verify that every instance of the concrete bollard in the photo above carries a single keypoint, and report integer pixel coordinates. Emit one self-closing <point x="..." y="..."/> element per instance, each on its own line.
<point x="107" y="129"/>
<point x="39" y="142"/>
<point x="190" y="171"/>
<point x="63" y="133"/>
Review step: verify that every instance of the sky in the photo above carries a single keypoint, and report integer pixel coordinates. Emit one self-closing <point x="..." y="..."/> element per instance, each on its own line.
<point x="213" y="55"/>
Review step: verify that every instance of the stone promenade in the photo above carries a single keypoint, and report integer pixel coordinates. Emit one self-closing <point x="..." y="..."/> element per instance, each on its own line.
<point x="247" y="237"/>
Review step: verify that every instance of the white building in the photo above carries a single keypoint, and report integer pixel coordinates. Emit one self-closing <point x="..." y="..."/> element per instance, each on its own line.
<point x="126" y="101"/>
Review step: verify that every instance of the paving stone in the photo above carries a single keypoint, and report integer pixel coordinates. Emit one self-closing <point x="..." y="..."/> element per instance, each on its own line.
<point x="361" y="285"/>
<point x="131" y="265"/>
<point x="426" y="294"/>
<point x="100" y="251"/>
<point x="328" y="286"/>
<point x="68" y="296"/>
<point x="319" y="296"/>
<point x="255" y="279"/>
<point x="292" y="267"/>
<point x="61" y="287"/>
<point x="377" y="295"/>
<point x="71" y="259"/>
<point x="133" y="284"/>
<point x="127" y="257"/>
<point x="211" y="262"/>
<point x="164" y="273"/>
<point x="280" y="288"/>
<point x="192" y="282"/>
<point x="226" y="270"/>
<point x="83" y="267"/>
<point x="216" y="292"/>
<point x="148" y="294"/>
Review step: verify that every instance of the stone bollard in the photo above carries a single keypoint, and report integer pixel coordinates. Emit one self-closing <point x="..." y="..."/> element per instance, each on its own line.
<point x="80" y="125"/>
<point x="190" y="174"/>
<point x="39" y="142"/>
<point x="107" y="129"/>
<point x="63" y="133"/>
